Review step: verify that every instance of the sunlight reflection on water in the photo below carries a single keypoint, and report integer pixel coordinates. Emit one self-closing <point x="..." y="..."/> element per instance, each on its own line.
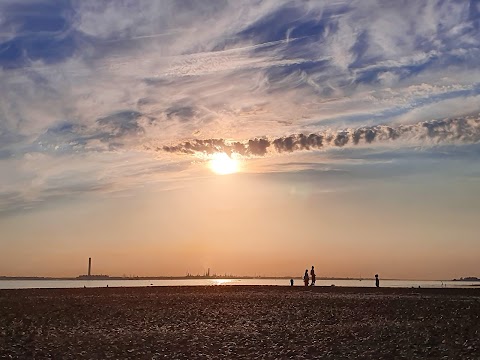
<point x="222" y="281"/>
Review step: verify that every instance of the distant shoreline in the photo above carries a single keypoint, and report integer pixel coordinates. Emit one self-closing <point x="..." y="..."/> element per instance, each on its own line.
<point x="106" y="277"/>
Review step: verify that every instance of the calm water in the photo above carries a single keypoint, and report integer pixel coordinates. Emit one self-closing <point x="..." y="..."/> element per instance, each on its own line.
<point x="30" y="284"/>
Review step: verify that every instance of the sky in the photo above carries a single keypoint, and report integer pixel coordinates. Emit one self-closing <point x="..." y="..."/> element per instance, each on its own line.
<point x="355" y="126"/>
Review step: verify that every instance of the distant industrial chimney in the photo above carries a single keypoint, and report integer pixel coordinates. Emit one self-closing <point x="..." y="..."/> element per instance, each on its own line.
<point x="89" y="266"/>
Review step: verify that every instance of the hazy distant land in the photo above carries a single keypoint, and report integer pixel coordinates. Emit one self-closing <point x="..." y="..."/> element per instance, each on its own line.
<point x="107" y="277"/>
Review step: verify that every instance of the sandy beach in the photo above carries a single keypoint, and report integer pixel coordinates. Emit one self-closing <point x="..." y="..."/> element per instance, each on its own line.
<point x="250" y="322"/>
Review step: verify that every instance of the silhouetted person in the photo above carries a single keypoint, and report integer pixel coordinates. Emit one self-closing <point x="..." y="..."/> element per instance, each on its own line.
<point x="377" y="281"/>
<point x="312" y="274"/>
<point x="291" y="282"/>
<point x="306" y="278"/>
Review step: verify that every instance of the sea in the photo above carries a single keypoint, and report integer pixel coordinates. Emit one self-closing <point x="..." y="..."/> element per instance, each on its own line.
<point x="65" y="284"/>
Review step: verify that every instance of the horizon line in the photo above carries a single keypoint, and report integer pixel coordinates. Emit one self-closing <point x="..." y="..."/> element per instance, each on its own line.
<point x="176" y="277"/>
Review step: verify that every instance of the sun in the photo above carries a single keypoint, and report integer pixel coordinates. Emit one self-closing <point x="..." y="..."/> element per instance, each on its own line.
<point x="222" y="164"/>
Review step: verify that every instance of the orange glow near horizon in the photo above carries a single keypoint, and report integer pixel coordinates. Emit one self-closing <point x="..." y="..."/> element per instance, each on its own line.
<point x="222" y="164"/>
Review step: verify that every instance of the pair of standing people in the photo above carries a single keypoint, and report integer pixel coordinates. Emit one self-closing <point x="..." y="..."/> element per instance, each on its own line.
<point x="306" y="278"/>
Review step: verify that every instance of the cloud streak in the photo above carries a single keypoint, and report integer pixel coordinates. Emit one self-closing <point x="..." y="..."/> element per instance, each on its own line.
<point x="461" y="130"/>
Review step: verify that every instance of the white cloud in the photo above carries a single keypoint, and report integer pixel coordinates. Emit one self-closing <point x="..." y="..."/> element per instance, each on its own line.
<point x="437" y="110"/>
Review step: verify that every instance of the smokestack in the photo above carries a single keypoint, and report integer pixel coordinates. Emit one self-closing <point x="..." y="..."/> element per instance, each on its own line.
<point x="89" y="266"/>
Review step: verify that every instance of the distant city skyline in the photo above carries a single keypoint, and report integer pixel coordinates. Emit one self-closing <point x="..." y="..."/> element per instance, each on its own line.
<point x="249" y="137"/>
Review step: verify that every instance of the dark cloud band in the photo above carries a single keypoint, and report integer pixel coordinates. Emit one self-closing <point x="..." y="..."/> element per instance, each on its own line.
<point x="461" y="130"/>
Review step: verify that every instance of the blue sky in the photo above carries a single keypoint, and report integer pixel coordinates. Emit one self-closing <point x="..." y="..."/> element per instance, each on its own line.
<point x="92" y="93"/>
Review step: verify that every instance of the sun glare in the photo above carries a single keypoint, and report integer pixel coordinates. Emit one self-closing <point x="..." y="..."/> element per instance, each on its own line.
<point x="222" y="164"/>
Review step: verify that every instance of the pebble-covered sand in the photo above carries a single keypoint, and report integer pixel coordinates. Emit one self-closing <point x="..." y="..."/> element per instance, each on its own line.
<point x="230" y="322"/>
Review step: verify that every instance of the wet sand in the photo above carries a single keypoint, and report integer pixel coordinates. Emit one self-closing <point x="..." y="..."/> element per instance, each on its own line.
<point x="250" y="322"/>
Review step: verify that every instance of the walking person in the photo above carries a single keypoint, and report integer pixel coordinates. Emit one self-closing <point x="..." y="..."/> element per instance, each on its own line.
<point x="306" y="278"/>
<point x="312" y="275"/>
<point x="377" y="281"/>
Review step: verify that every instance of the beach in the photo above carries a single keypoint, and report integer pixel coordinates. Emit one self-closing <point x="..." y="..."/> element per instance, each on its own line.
<point x="250" y="322"/>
